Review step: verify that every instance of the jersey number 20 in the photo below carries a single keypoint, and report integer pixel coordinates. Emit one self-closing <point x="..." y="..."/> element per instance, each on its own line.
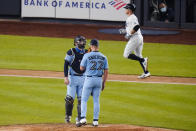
<point x="95" y="67"/>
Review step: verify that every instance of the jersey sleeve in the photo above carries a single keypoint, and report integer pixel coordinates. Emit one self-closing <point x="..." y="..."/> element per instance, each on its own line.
<point x="130" y="24"/>
<point x="106" y="66"/>
<point x="69" y="56"/>
<point x="135" y="22"/>
<point x="84" y="61"/>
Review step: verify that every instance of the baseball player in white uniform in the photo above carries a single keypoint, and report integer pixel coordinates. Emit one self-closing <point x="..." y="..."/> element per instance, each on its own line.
<point x="133" y="49"/>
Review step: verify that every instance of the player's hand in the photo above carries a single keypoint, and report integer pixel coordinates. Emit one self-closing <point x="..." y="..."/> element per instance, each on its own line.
<point x="66" y="81"/>
<point x="127" y="36"/>
<point x="122" y="31"/>
<point x="103" y="86"/>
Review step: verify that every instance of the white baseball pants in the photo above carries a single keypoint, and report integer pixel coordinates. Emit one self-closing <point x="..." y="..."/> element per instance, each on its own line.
<point x="135" y="44"/>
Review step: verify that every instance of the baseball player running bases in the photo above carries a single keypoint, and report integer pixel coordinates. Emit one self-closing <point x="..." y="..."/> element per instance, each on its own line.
<point x="95" y="65"/>
<point x="134" y="47"/>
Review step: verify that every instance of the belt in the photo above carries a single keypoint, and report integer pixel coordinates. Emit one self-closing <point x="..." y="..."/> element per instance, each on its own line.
<point x="95" y="76"/>
<point x="76" y="74"/>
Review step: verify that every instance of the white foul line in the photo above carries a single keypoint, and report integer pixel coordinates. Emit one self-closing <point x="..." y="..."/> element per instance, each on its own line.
<point x="151" y="82"/>
<point x="176" y="83"/>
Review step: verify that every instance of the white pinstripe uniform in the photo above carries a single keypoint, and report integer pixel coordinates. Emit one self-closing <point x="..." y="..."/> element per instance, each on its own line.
<point x="135" y="43"/>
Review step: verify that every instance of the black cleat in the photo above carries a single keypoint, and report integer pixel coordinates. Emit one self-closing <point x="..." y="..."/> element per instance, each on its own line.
<point x="67" y="119"/>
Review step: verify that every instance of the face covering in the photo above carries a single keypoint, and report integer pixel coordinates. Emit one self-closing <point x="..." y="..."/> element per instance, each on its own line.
<point x="164" y="9"/>
<point x="81" y="44"/>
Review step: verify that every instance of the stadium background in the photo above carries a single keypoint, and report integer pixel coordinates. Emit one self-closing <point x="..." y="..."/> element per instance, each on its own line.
<point x="32" y="50"/>
<point x="185" y="12"/>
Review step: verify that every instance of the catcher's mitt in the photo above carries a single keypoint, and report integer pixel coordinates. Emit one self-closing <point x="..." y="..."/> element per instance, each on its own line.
<point x="89" y="50"/>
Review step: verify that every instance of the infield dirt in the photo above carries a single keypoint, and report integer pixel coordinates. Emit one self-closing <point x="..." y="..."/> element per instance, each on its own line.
<point x="113" y="77"/>
<point x="90" y="31"/>
<point x="72" y="127"/>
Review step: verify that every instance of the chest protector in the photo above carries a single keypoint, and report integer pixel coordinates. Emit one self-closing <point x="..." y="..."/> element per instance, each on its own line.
<point x="77" y="60"/>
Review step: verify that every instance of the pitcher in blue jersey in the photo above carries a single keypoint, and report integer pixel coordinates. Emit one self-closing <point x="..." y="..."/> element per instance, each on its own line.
<point x="95" y="65"/>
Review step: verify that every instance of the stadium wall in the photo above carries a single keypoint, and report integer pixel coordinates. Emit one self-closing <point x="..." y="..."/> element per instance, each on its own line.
<point x="10" y="7"/>
<point x="104" y="10"/>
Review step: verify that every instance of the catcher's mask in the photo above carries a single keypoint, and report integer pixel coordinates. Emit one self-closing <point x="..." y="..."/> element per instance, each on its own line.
<point x="80" y="42"/>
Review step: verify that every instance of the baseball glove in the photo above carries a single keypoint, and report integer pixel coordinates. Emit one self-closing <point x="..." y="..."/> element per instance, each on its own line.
<point x="89" y="50"/>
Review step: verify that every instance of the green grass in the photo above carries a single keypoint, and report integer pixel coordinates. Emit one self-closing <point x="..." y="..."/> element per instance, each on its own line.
<point x="36" y="100"/>
<point x="41" y="53"/>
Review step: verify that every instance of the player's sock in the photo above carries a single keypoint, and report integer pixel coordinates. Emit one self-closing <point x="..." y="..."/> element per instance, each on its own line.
<point x="82" y="117"/>
<point x="79" y="107"/>
<point x="145" y="71"/>
<point x="142" y="66"/>
<point x="137" y="58"/>
<point x="95" y="119"/>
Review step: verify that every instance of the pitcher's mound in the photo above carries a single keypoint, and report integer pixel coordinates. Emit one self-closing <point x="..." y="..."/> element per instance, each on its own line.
<point x="72" y="127"/>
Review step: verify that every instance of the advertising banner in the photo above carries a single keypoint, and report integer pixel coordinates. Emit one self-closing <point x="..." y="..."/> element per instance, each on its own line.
<point x="108" y="10"/>
<point x="38" y="8"/>
<point x="75" y="9"/>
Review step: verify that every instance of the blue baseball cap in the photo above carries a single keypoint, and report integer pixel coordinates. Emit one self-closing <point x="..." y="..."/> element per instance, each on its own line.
<point x="94" y="42"/>
<point x="130" y="7"/>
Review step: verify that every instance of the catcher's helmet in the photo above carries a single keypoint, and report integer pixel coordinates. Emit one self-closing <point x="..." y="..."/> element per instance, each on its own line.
<point x="80" y="41"/>
<point x="130" y="7"/>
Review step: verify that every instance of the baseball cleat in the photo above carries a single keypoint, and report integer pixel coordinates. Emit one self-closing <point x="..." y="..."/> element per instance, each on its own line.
<point x="77" y="121"/>
<point x="145" y="63"/>
<point x="82" y="122"/>
<point x="143" y="76"/>
<point x="67" y="119"/>
<point x="140" y="77"/>
<point x="95" y="123"/>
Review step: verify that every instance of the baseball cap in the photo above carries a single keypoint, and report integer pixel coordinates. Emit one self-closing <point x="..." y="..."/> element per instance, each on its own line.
<point x="130" y="6"/>
<point x="94" y="42"/>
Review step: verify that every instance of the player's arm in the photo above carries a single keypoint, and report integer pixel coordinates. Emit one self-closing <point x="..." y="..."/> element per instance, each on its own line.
<point x="83" y="63"/>
<point x="68" y="59"/>
<point x="82" y="68"/>
<point x="105" y="76"/>
<point x="66" y="68"/>
<point x="135" y="29"/>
